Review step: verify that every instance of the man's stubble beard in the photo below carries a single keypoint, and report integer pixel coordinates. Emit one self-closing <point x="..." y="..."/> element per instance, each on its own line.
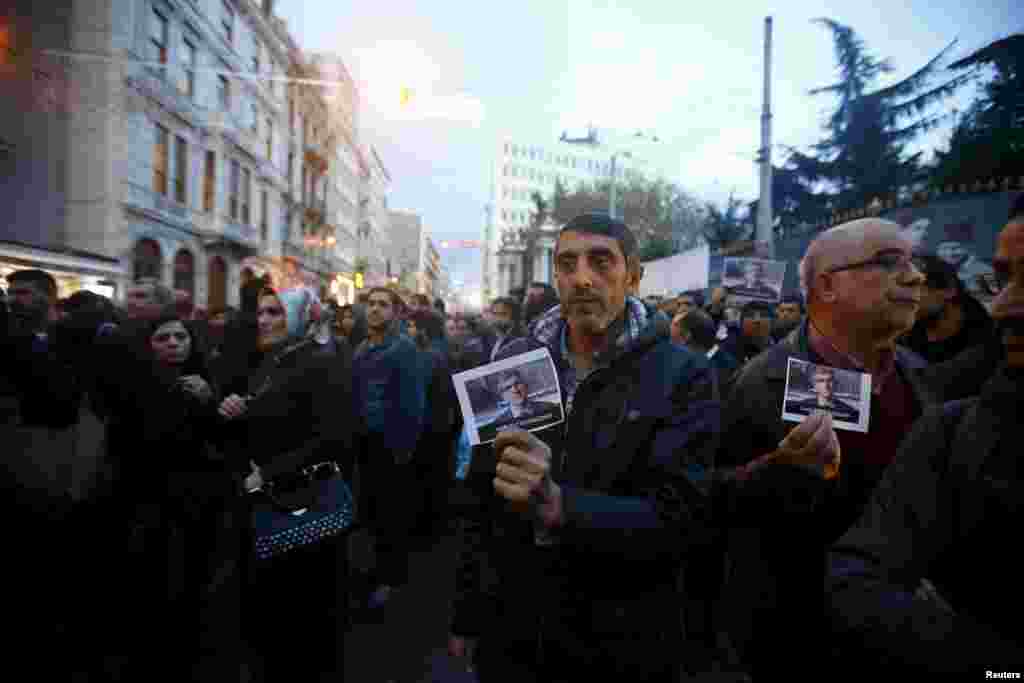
<point x="929" y="317"/>
<point x="590" y="324"/>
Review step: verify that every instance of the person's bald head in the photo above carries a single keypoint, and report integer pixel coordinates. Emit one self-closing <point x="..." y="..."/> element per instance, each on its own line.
<point x="842" y="244"/>
<point x="861" y="275"/>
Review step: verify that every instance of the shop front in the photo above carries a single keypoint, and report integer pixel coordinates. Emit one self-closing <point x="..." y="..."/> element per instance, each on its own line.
<point x="343" y="290"/>
<point x="73" y="270"/>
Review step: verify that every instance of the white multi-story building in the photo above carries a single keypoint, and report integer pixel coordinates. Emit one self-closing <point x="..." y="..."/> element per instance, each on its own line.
<point x="374" y="218"/>
<point x="413" y="258"/>
<point x="522" y="168"/>
<point x="406" y="247"/>
<point x="341" y="97"/>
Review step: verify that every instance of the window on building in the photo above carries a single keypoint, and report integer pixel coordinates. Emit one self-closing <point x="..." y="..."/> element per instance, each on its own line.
<point x="209" y="181"/>
<point x="224" y="92"/>
<point x="270" y="139"/>
<point x="180" y="169"/>
<point x="246" y="196"/>
<point x="187" y="86"/>
<point x="264" y="215"/>
<point x="506" y="148"/>
<point x="158" y="41"/>
<point x="257" y="55"/>
<point x="254" y="113"/>
<point x="291" y="167"/>
<point x="160" y="160"/>
<point x="504" y="215"/>
<point x="227" y="21"/>
<point x="148" y="260"/>
<point x="233" y="189"/>
<point x="184" y="272"/>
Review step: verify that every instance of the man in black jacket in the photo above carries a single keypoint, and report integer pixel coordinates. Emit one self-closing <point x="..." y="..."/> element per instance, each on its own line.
<point x="621" y="492"/>
<point x="919" y="585"/>
<point x="43" y="386"/>
<point x="950" y="320"/>
<point x="568" y="569"/>
<point x="862" y="289"/>
<point x="39" y="401"/>
<point x="788" y="315"/>
<point x="754" y="334"/>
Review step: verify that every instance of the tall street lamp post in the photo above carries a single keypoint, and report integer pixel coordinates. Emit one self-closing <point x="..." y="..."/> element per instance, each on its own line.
<point x="611" y="190"/>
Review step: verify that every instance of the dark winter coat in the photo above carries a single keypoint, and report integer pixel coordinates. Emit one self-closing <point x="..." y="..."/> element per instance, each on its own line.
<point x="603" y="595"/>
<point x="391" y="392"/>
<point x="964" y="375"/>
<point x="302" y="412"/>
<point x="976" y="329"/>
<point x="771" y="563"/>
<point x="942" y="513"/>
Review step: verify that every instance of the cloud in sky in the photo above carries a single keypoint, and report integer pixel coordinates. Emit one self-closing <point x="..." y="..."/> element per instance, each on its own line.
<point x="690" y="73"/>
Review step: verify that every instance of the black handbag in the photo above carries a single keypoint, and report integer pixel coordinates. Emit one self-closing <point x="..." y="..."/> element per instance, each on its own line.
<point x="300" y="509"/>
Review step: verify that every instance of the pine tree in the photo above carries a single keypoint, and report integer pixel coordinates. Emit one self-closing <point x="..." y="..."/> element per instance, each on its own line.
<point x="726" y="227"/>
<point x="988" y="140"/>
<point x="864" y="153"/>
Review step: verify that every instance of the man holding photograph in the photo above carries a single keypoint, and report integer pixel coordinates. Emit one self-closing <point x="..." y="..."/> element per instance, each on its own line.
<point x="607" y="489"/>
<point x="862" y="291"/>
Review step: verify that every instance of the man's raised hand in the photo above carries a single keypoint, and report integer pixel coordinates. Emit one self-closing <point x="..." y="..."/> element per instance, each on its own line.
<point x="523" y="476"/>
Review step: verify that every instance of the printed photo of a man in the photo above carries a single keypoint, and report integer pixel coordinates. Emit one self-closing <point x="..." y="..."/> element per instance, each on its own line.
<point x="520" y="411"/>
<point x="823" y="384"/>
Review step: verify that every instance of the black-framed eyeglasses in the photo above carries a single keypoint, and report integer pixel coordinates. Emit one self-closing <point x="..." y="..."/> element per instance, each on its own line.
<point x="889" y="261"/>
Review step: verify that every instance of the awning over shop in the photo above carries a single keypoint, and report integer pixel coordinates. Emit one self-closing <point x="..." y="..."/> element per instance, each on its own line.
<point x="74" y="270"/>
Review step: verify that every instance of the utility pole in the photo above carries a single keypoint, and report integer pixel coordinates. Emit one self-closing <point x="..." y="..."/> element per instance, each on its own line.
<point x="611" y="191"/>
<point x="765" y="237"/>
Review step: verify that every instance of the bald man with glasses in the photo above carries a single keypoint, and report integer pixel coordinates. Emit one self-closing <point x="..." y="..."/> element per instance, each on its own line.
<point x="862" y="291"/>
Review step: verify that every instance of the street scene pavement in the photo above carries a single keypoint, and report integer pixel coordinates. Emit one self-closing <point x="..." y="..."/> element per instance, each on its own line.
<point x="406" y="641"/>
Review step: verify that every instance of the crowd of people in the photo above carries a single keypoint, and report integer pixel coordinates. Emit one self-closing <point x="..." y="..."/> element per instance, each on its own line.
<point x="673" y="524"/>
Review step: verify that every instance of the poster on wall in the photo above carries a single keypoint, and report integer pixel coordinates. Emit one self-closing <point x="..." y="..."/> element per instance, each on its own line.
<point x="962" y="232"/>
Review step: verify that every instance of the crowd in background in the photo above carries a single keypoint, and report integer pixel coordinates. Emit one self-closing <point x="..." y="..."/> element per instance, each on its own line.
<point x="133" y="432"/>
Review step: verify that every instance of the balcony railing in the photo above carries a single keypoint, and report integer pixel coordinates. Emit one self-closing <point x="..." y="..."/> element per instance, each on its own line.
<point x="157" y="83"/>
<point x="141" y="197"/>
<point x="241" y="233"/>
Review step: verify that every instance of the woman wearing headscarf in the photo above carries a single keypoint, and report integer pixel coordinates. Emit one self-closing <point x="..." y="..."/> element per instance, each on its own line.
<point x="238" y="340"/>
<point x="296" y="417"/>
<point x="182" y="492"/>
